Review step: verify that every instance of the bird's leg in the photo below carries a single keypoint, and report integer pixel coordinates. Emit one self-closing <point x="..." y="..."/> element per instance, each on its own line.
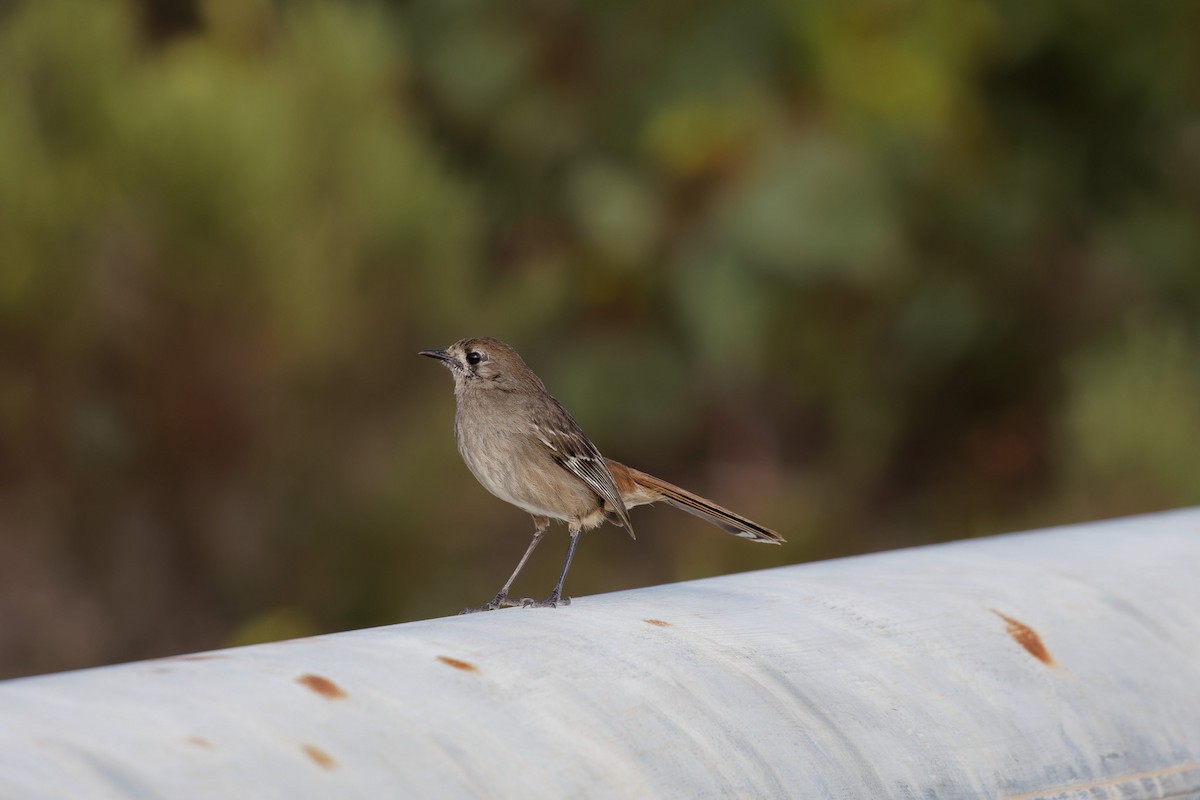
<point x="501" y="600"/>
<point x="556" y="598"/>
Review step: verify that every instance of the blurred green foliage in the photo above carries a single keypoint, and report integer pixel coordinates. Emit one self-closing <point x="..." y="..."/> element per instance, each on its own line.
<point x="874" y="273"/>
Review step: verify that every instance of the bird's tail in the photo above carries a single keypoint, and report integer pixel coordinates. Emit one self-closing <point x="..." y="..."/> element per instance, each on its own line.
<point x="638" y="488"/>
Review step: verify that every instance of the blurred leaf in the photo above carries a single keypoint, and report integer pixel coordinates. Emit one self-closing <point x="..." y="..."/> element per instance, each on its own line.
<point x="810" y="206"/>
<point x="1134" y="417"/>
<point x="616" y="211"/>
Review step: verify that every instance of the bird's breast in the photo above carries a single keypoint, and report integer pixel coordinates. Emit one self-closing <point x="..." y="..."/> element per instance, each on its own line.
<point x="513" y="464"/>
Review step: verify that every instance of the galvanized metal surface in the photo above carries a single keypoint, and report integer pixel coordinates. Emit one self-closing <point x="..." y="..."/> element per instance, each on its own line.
<point x="1060" y="664"/>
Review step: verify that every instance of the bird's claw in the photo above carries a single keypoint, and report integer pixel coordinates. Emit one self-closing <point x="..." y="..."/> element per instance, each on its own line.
<point x="553" y="601"/>
<point x="504" y="601"/>
<point x="499" y="601"/>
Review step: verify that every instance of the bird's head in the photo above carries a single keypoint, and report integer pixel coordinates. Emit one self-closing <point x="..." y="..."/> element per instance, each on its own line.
<point x="486" y="363"/>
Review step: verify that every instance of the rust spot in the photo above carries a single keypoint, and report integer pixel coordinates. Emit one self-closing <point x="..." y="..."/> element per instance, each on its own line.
<point x="322" y="686"/>
<point x="319" y="756"/>
<point x="200" y="741"/>
<point x="1027" y="637"/>
<point x="466" y="666"/>
<point x="658" y="623"/>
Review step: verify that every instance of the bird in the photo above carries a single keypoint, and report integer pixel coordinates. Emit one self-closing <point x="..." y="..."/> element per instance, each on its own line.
<point x="525" y="448"/>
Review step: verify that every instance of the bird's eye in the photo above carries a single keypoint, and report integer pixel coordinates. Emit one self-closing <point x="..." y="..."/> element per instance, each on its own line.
<point x="474" y="358"/>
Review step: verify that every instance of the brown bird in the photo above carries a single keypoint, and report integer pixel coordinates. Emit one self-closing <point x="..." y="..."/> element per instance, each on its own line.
<point x="524" y="447"/>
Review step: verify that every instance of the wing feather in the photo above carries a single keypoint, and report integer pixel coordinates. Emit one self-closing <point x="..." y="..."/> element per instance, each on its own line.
<point x="574" y="452"/>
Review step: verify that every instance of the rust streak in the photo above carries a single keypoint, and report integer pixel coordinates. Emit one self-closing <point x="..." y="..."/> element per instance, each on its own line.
<point x="319" y="756"/>
<point x="466" y="666"/>
<point x="322" y="686"/>
<point x="200" y="741"/>
<point x="658" y="623"/>
<point x="1027" y="637"/>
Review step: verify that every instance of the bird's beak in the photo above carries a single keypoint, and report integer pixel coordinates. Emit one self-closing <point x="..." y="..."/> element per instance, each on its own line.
<point x="440" y="355"/>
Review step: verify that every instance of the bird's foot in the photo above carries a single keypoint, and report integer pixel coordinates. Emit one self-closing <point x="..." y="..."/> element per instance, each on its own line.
<point x="553" y="601"/>
<point x="501" y="600"/>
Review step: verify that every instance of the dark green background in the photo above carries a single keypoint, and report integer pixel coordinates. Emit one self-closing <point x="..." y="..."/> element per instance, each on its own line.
<point x="873" y="272"/>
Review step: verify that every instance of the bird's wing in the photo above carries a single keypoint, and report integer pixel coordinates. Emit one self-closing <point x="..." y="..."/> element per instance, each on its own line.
<point x="574" y="452"/>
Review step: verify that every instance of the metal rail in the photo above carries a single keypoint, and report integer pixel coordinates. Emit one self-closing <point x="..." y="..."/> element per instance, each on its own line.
<point x="1056" y="664"/>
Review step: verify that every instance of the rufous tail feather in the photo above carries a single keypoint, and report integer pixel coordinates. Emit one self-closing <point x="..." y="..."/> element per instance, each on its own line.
<point x="707" y="510"/>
